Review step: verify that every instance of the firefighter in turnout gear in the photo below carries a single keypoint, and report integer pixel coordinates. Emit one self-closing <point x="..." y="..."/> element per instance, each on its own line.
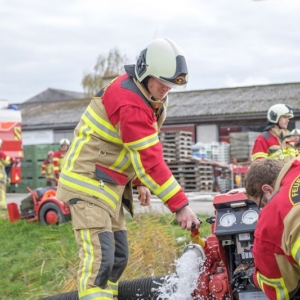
<point x="273" y="185"/>
<point x="47" y="169"/>
<point x="116" y="146"/>
<point x="4" y="161"/>
<point x="276" y="141"/>
<point x="59" y="156"/>
<point x="296" y="134"/>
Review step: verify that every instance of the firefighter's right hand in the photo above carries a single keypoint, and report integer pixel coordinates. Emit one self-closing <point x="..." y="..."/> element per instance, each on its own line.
<point x="144" y="195"/>
<point x="187" y="218"/>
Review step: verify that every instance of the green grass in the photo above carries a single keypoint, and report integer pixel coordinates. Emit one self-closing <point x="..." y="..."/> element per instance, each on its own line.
<point x="38" y="261"/>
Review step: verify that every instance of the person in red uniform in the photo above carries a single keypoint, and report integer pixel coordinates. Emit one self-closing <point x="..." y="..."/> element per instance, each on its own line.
<point x="276" y="141"/>
<point x="296" y="134"/>
<point x="59" y="156"/>
<point x="47" y="169"/>
<point x="274" y="186"/>
<point x="116" y="145"/>
<point x="4" y="161"/>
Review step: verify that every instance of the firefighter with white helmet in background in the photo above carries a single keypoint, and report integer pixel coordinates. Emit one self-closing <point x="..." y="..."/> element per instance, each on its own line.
<point x="296" y="134"/>
<point x="116" y="146"/>
<point x="276" y="141"/>
<point x="59" y="156"/>
<point x="4" y="161"/>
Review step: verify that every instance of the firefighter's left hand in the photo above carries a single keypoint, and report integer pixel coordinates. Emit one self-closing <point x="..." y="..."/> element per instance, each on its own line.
<point x="144" y="195"/>
<point x="187" y="218"/>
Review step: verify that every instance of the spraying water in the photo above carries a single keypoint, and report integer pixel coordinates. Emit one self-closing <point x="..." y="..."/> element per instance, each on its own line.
<point x="181" y="285"/>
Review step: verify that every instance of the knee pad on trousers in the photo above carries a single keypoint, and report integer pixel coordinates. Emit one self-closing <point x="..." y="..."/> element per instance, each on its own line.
<point x="107" y="259"/>
<point x="121" y="255"/>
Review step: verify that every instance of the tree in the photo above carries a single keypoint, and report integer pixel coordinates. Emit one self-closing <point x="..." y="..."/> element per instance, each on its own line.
<point x="106" y="67"/>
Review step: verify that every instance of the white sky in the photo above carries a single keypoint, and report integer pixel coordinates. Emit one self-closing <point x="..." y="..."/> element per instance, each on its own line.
<point x="228" y="43"/>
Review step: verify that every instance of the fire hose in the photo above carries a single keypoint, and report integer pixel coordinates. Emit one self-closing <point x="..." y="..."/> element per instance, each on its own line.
<point x="146" y="288"/>
<point x="141" y="288"/>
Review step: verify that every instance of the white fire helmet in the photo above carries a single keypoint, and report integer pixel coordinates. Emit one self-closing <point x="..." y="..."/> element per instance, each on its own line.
<point x="1" y="142"/>
<point x="278" y="110"/>
<point x="295" y="131"/>
<point x="64" y="141"/>
<point x="163" y="60"/>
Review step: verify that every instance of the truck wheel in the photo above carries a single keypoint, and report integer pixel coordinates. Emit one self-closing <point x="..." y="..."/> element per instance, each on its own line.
<point x="50" y="214"/>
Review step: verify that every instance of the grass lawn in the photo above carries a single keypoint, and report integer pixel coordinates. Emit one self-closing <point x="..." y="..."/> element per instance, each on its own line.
<point x="38" y="261"/>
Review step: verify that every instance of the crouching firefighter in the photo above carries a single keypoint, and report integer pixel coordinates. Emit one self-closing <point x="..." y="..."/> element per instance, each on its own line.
<point x="116" y="146"/>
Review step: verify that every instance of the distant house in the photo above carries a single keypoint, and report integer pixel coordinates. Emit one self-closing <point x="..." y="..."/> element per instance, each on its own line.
<point x="209" y="114"/>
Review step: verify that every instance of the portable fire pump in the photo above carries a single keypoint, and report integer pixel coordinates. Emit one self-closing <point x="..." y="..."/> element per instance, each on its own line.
<point x="42" y="205"/>
<point x="227" y="252"/>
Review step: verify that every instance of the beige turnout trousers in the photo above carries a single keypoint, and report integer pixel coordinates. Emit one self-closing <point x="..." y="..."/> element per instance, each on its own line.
<point x="103" y="250"/>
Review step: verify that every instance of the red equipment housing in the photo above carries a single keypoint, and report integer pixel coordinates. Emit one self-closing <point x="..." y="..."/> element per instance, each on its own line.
<point x="228" y="250"/>
<point x="42" y="205"/>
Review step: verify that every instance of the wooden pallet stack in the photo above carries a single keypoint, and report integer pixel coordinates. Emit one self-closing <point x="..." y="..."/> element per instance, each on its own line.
<point x="193" y="176"/>
<point x="177" y="145"/>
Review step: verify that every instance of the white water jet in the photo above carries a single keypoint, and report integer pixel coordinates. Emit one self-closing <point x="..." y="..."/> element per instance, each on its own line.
<point x="180" y="286"/>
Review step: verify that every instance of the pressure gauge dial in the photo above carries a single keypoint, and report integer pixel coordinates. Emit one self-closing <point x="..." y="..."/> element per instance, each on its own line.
<point x="227" y="220"/>
<point x="249" y="217"/>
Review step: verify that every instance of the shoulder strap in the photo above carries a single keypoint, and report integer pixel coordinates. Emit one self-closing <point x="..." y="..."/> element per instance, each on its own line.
<point x="282" y="173"/>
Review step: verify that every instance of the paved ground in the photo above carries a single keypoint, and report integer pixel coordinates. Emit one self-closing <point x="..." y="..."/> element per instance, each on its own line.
<point x="199" y="203"/>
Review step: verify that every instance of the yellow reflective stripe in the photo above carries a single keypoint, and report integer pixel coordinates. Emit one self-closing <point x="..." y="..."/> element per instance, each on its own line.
<point x="143" y="143"/>
<point x="141" y="173"/>
<point x="259" y="154"/>
<point x="90" y="187"/>
<point x="101" y="126"/>
<point x="133" y="148"/>
<point x="296" y="251"/>
<point x="122" y="162"/>
<point x="168" y="189"/>
<point x="88" y="252"/>
<point x="282" y="153"/>
<point x="114" y="287"/>
<point x="290" y="151"/>
<point x="278" y="284"/>
<point x="165" y="191"/>
<point x="96" y="293"/>
<point x="84" y="136"/>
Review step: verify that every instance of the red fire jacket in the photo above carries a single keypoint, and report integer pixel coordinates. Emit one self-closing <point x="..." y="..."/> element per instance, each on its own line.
<point x="267" y="145"/>
<point x="115" y="141"/>
<point x="277" y="240"/>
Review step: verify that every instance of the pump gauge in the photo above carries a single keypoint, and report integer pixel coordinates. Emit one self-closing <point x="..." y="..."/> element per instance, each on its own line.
<point x="227" y="220"/>
<point x="249" y="217"/>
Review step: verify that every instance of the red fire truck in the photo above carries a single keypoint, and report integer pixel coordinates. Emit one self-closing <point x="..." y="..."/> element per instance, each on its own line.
<point x="11" y="135"/>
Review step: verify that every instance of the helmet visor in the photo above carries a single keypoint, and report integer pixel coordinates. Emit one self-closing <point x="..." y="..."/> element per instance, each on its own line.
<point x="177" y="86"/>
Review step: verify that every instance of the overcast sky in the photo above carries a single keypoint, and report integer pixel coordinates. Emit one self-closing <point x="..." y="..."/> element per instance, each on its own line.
<point x="228" y="43"/>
